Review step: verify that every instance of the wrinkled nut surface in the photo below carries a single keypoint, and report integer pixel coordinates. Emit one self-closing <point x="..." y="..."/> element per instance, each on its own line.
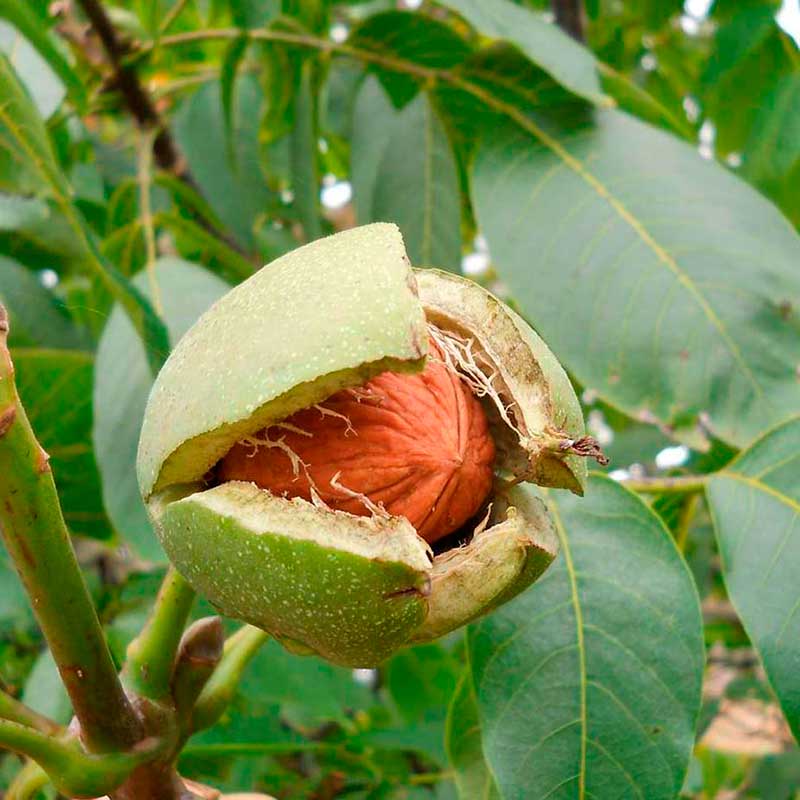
<point x="416" y="446"/>
<point x="329" y="419"/>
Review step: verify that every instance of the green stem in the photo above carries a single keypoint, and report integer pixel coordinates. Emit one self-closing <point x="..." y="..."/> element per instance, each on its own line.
<point x="430" y="778"/>
<point x="171" y="16"/>
<point x="679" y="484"/>
<point x="37" y="540"/>
<point x="221" y="687"/>
<point x="73" y="771"/>
<point x="224" y="749"/>
<point x="27" y="782"/>
<point x="15" y="711"/>
<point x="300" y="40"/>
<point x="151" y="655"/>
<point x="685" y="517"/>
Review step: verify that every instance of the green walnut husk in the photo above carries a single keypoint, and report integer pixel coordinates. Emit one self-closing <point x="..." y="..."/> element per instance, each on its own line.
<point x="331" y="315"/>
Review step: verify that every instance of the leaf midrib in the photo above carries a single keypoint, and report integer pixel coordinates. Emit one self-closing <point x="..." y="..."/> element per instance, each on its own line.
<point x="755" y="483"/>
<point x="573" y="582"/>
<point x="630" y="219"/>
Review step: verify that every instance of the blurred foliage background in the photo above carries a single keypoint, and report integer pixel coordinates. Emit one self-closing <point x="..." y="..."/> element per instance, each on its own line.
<point x="195" y="140"/>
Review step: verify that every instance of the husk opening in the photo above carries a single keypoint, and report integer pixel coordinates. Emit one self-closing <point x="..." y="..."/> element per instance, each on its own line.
<point x="226" y="539"/>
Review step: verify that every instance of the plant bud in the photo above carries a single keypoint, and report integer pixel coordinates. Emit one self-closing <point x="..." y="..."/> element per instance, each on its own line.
<point x="332" y="417"/>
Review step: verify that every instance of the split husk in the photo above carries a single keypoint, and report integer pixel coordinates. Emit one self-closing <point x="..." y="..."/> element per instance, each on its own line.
<point x="328" y="316"/>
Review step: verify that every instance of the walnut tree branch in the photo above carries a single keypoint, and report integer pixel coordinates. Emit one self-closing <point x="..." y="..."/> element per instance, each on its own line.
<point x="37" y="540"/>
<point x="151" y="655"/>
<point x="141" y="105"/>
<point x="569" y="17"/>
<point x="127" y="81"/>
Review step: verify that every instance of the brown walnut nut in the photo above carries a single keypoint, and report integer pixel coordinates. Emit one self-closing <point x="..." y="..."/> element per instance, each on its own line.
<point x="416" y="446"/>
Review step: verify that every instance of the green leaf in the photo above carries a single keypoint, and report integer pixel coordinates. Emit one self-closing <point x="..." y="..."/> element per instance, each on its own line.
<point x="339" y="92"/>
<point x="588" y="685"/>
<point x="403" y="171"/>
<point x="198" y="244"/>
<point x="187" y="199"/>
<point x="309" y="691"/>
<point x="28" y="166"/>
<point x="55" y="387"/>
<point x="122" y="384"/>
<point x="43" y="85"/>
<point x="472" y="775"/>
<point x="35" y="233"/>
<point x="661" y="280"/>
<point x="545" y="44"/>
<point x="37" y="316"/>
<point x="237" y="193"/>
<point x="27" y="163"/>
<point x="245" y="731"/>
<point x="304" y="156"/>
<point x="280" y="73"/>
<point x="254" y="13"/>
<point x="303" y="691"/>
<point x="755" y="505"/>
<point x="44" y="691"/>
<point x="632" y="98"/>
<point x="313" y="15"/>
<point x="652" y="13"/>
<point x="778" y="776"/>
<point x="772" y="153"/>
<point x="20" y="212"/>
<point x="749" y="56"/>
<point x="15" y="609"/>
<point x="421" y="681"/>
<point x="231" y="62"/>
<point x="410" y="37"/>
<point x="19" y="14"/>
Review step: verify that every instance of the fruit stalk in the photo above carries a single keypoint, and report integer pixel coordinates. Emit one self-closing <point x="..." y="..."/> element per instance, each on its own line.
<point x="151" y="655"/>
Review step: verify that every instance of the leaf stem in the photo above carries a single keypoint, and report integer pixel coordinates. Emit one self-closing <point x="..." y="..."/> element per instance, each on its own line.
<point x="221" y="687"/>
<point x="685" y="517"/>
<point x="37" y="540"/>
<point x="45" y="750"/>
<point x="73" y="771"/>
<point x="171" y="16"/>
<point x="27" y="782"/>
<point x="15" y="711"/>
<point x="151" y="655"/>
<point x="301" y="40"/>
<point x="144" y="175"/>
<point x="677" y="484"/>
<point x="429" y="778"/>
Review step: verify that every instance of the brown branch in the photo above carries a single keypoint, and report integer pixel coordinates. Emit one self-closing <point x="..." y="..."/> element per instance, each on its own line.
<point x="126" y="80"/>
<point x="569" y="17"/>
<point x="143" y="109"/>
